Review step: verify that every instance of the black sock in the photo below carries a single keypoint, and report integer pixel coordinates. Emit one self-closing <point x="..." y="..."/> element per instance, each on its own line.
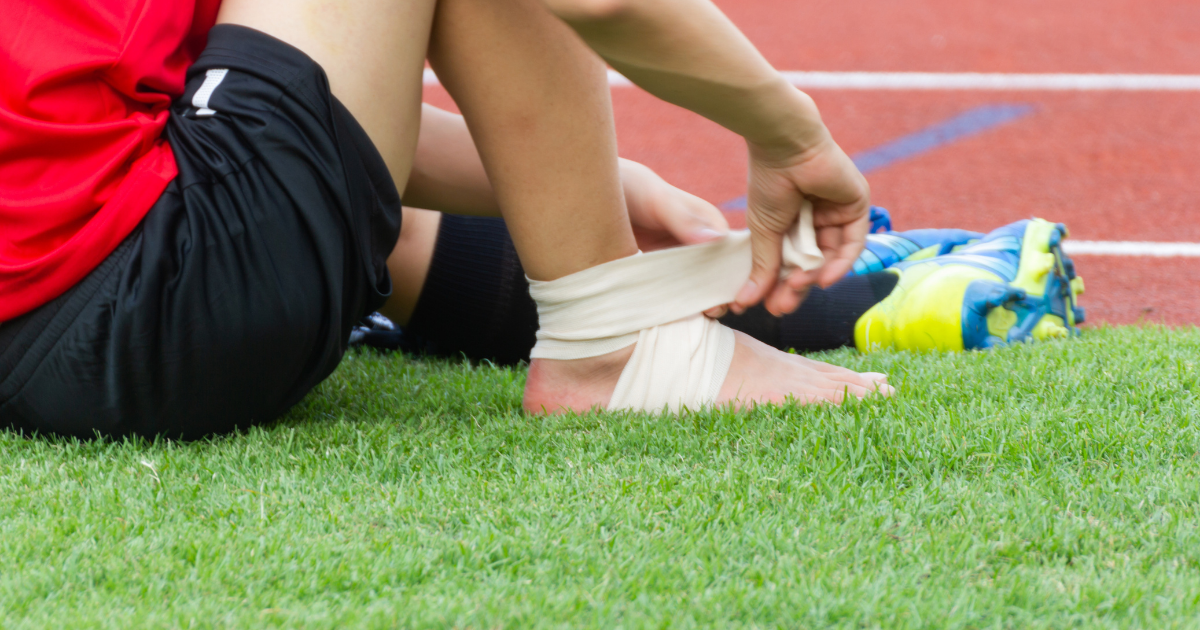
<point x="824" y="321"/>
<point x="475" y="301"/>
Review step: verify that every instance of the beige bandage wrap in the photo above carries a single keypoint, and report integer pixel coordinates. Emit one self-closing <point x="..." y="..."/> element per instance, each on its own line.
<point x="655" y="301"/>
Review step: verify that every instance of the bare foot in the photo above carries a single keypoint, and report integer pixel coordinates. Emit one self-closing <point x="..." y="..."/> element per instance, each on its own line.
<point x="759" y="373"/>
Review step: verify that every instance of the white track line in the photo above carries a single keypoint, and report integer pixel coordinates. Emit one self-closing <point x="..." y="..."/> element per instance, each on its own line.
<point x="967" y="81"/>
<point x="1131" y="248"/>
<point x="982" y="81"/>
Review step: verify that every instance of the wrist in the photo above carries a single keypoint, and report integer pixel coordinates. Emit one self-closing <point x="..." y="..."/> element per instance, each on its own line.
<point x="793" y="124"/>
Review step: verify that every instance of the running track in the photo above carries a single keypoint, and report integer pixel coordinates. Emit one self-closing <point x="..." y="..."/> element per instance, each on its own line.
<point x="1114" y="165"/>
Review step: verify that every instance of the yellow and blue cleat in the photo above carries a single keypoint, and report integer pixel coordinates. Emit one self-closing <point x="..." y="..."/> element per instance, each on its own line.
<point x="886" y="247"/>
<point x="884" y="250"/>
<point x="970" y="291"/>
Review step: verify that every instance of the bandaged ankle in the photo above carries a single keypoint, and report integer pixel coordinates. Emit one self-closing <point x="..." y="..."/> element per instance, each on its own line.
<point x="654" y="300"/>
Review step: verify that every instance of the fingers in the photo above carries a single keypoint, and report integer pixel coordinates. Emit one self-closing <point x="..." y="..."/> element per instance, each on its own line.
<point x="717" y="312"/>
<point x="766" y="247"/>
<point x="800" y="280"/>
<point x="841" y="200"/>
<point x="690" y="219"/>
<point x="776" y="194"/>
<point x="841" y="246"/>
<point x="790" y="293"/>
<point x="663" y="215"/>
<point x="785" y="298"/>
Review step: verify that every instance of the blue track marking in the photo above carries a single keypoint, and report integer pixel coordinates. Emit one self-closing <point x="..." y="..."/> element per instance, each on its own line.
<point x="968" y="123"/>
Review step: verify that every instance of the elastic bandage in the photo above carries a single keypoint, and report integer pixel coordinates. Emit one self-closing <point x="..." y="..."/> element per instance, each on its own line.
<point x="655" y="300"/>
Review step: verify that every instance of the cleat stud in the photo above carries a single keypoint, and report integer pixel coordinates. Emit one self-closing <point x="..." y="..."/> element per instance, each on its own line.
<point x="1076" y="285"/>
<point x="1047" y="329"/>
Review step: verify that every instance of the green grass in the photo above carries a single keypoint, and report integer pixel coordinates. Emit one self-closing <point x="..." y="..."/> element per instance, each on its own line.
<point x="1053" y="485"/>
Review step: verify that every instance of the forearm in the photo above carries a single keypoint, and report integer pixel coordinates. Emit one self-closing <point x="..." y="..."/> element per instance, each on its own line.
<point x="447" y="174"/>
<point x="687" y="52"/>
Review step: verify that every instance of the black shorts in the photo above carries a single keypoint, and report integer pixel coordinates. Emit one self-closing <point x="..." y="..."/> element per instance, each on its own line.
<point x="236" y="294"/>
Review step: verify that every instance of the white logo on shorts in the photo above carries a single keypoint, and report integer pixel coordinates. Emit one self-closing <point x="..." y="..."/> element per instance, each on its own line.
<point x="212" y="79"/>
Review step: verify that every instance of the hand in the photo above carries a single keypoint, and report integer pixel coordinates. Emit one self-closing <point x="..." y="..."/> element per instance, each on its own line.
<point x="664" y="216"/>
<point x="841" y="201"/>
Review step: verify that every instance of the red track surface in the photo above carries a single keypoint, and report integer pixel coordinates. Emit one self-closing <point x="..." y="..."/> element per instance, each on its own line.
<point x="1138" y="36"/>
<point x="1113" y="166"/>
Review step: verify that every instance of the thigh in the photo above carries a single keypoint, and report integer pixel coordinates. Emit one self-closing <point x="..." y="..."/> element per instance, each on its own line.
<point x="213" y="321"/>
<point x="373" y="51"/>
<point x="47" y="356"/>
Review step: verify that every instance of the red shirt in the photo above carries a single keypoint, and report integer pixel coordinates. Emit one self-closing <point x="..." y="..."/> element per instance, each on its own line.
<point x="84" y="91"/>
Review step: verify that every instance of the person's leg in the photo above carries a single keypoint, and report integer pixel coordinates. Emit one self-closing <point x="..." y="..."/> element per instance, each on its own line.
<point x="538" y="106"/>
<point x="473" y="298"/>
<point x="410" y="262"/>
<point x="537" y="103"/>
<point x="373" y="52"/>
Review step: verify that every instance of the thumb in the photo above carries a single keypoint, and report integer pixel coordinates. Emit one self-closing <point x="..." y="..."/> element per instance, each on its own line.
<point x="766" y="249"/>
<point x="692" y="220"/>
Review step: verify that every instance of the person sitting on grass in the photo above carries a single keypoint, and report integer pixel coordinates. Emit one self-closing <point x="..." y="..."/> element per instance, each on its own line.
<point x="200" y="200"/>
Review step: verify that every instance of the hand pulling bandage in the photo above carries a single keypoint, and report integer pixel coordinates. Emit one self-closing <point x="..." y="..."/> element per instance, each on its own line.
<point x="655" y="300"/>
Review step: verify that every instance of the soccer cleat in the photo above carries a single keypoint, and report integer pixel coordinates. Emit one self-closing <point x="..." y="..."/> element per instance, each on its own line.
<point x="377" y="331"/>
<point x="886" y="247"/>
<point x="884" y="250"/>
<point x="1014" y="284"/>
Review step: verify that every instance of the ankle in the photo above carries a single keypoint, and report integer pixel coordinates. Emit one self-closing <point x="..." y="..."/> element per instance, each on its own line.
<point x="557" y="386"/>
